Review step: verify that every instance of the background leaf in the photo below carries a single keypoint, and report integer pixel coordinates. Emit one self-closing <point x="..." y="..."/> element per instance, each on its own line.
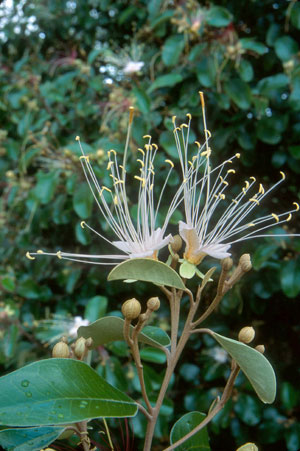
<point x="29" y="439"/>
<point x="183" y="426"/>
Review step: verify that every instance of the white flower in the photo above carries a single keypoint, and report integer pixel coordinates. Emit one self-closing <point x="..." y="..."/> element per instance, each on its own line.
<point x="213" y="223"/>
<point x="78" y="322"/>
<point x="133" y="66"/>
<point x="140" y="238"/>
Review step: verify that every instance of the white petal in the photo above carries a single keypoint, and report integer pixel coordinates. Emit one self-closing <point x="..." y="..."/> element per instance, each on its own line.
<point x="218" y="251"/>
<point x="123" y="246"/>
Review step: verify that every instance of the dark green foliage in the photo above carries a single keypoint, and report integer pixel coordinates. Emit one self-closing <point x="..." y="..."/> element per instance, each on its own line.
<point x="63" y="76"/>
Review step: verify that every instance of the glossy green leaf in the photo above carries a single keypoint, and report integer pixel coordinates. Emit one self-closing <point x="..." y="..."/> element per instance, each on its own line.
<point x="290" y="278"/>
<point x="199" y="441"/>
<point x="147" y="270"/>
<point x="110" y="328"/>
<point x="172" y="49"/>
<point x="29" y="439"/>
<point x="96" y="308"/>
<point x="83" y="201"/>
<point x="254" y="365"/>
<point x="143" y="100"/>
<point x="59" y="391"/>
<point x="285" y="48"/>
<point x="239" y="92"/>
<point x="245" y="70"/>
<point x="46" y="185"/>
<point x="153" y="355"/>
<point x="218" y="16"/>
<point x="164" y="81"/>
<point x="254" y="46"/>
<point x="248" y="409"/>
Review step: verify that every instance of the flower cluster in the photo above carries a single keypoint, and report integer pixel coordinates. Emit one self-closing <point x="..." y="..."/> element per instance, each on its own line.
<point x="213" y="221"/>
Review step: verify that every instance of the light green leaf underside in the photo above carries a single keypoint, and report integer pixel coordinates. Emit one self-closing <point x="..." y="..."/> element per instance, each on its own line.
<point x="183" y="426"/>
<point x="29" y="439"/>
<point x="248" y="447"/>
<point x="110" y="328"/>
<point x="147" y="270"/>
<point x="254" y="365"/>
<point x="59" y="391"/>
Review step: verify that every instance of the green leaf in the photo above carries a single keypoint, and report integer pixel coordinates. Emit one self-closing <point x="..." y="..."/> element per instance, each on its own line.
<point x="153" y="355"/>
<point x="8" y="283"/>
<point x="59" y="391"/>
<point x="206" y="72"/>
<point x="218" y="17"/>
<point x="295" y="15"/>
<point x="147" y="270"/>
<point x="96" y="308"/>
<point x="172" y="49"/>
<point x="110" y="328"/>
<point x="29" y="439"/>
<point x="285" y="48"/>
<point x="267" y="131"/>
<point x="164" y="81"/>
<point x="239" y="92"/>
<point x="254" y="365"/>
<point x="183" y="426"/>
<point x="46" y="186"/>
<point x="83" y="201"/>
<point x="290" y="277"/>
<point x="251" y="44"/>
<point x="143" y="100"/>
<point x="245" y="70"/>
<point x="248" y="409"/>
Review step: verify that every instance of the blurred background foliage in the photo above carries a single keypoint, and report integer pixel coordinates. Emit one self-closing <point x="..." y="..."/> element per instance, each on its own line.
<point x="73" y="68"/>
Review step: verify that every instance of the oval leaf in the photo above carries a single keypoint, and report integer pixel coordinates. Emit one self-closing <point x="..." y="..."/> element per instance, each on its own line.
<point x="186" y="424"/>
<point x="254" y="365"/>
<point x="147" y="270"/>
<point x="59" y="391"/>
<point x="110" y="328"/>
<point x="29" y="439"/>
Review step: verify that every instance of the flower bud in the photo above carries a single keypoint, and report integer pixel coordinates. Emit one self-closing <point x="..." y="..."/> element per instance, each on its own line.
<point x="131" y="308"/>
<point x="176" y="243"/>
<point x="61" y="350"/>
<point x="246" y="334"/>
<point x="80" y="348"/>
<point x="260" y="348"/>
<point x="245" y="262"/>
<point x="227" y="264"/>
<point x="153" y="304"/>
<point x="89" y="342"/>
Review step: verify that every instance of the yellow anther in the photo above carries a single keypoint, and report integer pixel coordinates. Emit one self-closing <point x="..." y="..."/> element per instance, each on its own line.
<point x="289" y="217"/>
<point x="131" y="112"/>
<point x="170" y="163"/>
<point x="177" y="129"/>
<point x="184" y="125"/>
<point x="197" y="144"/>
<point x="222" y="196"/>
<point x="147" y="136"/>
<point x="297" y="206"/>
<point x="173" y="120"/>
<point x="254" y="200"/>
<point x="111" y="151"/>
<point x="225" y="182"/>
<point x="140" y="161"/>
<point x="151" y="187"/>
<point x="109" y="165"/>
<point x="202" y="99"/>
<point x="261" y="189"/>
<point x="251" y="224"/>
<point x="229" y="161"/>
<point x="253" y="178"/>
<point x="58" y="253"/>
<point x="141" y="179"/>
<point x="39" y="251"/>
<point x="155" y="146"/>
<point x="216" y="196"/>
<point x="104" y="188"/>
<point x="141" y="150"/>
<point x="118" y="182"/>
<point x="234" y="201"/>
<point x="237" y="155"/>
<point x="122" y="167"/>
<point x="29" y="256"/>
<point x="206" y="153"/>
<point x="282" y="175"/>
<point x="148" y="147"/>
<point x="247" y="184"/>
<point x="85" y="157"/>
<point x="77" y="138"/>
<point x="194" y="158"/>
<point x="189" y="116"/>
<point x="275" y="217"/>
<point x="116" y="200"/>
<point x="231" y="171"/>
<point x="244" y="190"/>
<point x="208" y="132"/>
<point x="82" y="224"/>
